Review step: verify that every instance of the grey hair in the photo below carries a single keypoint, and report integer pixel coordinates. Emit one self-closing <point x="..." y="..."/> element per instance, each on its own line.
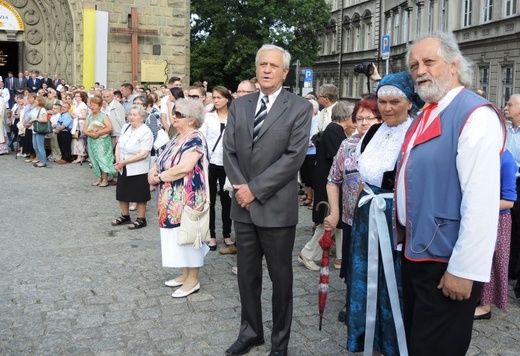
<point x="249" y="83"/>
<point x="341" y="111"/>
<point x="515" y="96"/>
<point x="329" y="91"/>
<point x="271" y="47"/>
<point x="192" y="109"/>
<point x="141" y="110"/>
<point x="315" y="106"/>
<point x="450" y="52"/>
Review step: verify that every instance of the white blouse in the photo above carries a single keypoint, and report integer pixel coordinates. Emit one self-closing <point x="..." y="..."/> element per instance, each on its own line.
<point x="381" y="153"/>
<point x="131" y="143"/>
<point x="211" y="130"/>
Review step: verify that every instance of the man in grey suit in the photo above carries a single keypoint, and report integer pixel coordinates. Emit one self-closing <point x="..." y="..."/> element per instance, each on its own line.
<point x="262" y="155"/>
<point x="20" y="84"/>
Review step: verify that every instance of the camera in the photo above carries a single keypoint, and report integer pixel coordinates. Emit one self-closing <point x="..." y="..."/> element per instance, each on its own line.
<point x="365" y="68"/>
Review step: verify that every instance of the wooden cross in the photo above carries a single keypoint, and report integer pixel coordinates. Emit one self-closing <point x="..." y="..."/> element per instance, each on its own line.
<point x="135" y="31"/>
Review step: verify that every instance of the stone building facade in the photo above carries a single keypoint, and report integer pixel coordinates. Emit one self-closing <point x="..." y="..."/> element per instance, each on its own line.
<point x="52" y="39"/>
<point x="488" y="33"/>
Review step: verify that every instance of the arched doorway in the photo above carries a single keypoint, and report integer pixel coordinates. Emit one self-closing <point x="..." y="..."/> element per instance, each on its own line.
<point x="46" y="42"/>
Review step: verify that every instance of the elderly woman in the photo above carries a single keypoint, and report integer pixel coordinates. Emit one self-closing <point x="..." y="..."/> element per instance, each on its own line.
<point x="344" y="178"/>
<point x="79" y="113"/>
<point x="133" y="163"/>
<point x="371" y="255"/>
<point x="97" y="129"/>
<point x="213" y="130"/>
<point x="179" y="172"/>
<point x="335" y="132"/>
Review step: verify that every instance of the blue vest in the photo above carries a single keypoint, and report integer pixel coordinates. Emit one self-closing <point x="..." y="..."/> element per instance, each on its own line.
<point x="434" y="195"/>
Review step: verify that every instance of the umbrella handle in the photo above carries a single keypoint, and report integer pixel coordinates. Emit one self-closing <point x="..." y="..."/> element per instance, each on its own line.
<point x="327" y="207"/>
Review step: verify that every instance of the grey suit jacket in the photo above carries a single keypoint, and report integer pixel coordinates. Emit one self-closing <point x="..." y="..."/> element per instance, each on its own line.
<point x="19" y="87"/>
<point x="269" y="165"/>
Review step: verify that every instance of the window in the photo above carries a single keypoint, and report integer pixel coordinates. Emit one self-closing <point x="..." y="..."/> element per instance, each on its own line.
<point x="388" y="19"/>
<point x="396" y="35"/>
<point x="357" y="39"/>
<point x="444" y="15"/>
<point x="406" y="24"/>
<point x="327" y="43"/>
<point x="507" y="84"/>
<point x="346" y="40"/>
<point x="484" y="79"/>
<point x="468" y="10"/>
<point x="488" y="10"/>
<point x="510" y="7"/>
<point x="368" y="36"/>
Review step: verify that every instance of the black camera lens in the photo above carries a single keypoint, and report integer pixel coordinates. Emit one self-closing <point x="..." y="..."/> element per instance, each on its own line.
<point x="365" y="68"/>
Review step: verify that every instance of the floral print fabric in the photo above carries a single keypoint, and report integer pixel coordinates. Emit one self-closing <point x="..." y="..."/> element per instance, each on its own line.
<point x="190" y="190"/>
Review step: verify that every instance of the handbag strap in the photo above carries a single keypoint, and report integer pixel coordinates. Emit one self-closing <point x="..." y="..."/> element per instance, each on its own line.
<point x="222" y="128"/>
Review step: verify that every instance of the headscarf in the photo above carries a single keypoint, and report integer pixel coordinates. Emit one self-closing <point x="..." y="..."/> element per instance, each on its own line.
<point x="402" y="81"/>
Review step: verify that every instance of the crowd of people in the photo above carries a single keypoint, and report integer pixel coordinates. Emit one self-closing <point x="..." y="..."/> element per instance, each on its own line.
<point x="420" y="179"/>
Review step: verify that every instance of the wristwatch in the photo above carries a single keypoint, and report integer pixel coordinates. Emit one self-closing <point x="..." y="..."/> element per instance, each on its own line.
<point x="159" y="177"/>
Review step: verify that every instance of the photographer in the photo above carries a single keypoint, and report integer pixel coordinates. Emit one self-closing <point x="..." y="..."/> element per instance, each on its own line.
<point x="370" y="70"/>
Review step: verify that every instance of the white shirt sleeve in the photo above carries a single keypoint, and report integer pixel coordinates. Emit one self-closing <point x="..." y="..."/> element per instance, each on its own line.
<point x="478" y="165"/>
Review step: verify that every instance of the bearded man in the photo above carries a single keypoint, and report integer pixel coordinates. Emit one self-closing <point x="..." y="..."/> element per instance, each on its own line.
<point x="447" y="195"/>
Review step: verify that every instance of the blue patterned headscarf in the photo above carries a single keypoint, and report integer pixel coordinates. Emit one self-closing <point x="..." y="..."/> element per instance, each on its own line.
<point x="404" y="82"/>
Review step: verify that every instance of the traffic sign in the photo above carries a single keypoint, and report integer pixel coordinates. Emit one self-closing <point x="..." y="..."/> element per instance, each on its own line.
<point x="385" y="46"/>
<point x="307" y="75"/>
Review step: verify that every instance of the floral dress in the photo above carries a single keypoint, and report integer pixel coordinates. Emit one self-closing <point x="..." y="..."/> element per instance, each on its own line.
<point x="100" y="150"/>
<point x="190" y="190"/>
<point x="345" y="175"/>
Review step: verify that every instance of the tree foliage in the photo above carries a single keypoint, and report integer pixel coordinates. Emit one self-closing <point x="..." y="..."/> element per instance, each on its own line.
<point x="225" y="35"/>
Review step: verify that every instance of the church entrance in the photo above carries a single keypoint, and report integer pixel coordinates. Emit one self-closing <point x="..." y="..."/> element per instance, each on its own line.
<point x="11" y="58"/>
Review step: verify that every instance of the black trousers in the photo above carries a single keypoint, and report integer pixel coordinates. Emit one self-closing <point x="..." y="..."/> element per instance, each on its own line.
<point x="217" y="178"/>
<point x="64" y="141"/>
<point x="514" y="252"/>
<point x="27" y="146"/>
<point x="435" y="325"/>
<point x="276" y="244"/>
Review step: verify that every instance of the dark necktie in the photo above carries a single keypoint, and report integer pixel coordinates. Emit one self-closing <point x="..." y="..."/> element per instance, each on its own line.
<point x="260" y="116"/>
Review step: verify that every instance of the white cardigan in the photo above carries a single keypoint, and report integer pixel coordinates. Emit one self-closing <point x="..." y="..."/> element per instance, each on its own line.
<point x="131" y="143"/>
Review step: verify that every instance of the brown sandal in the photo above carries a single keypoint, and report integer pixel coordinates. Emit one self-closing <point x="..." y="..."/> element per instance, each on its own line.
<point x="122" y="220"/>
<point x="137" y="224"/>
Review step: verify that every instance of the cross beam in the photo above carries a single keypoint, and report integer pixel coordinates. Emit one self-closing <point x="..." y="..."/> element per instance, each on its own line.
<point x="134" y="31"/>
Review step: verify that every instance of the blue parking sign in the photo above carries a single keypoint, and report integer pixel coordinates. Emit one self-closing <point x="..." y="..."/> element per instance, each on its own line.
<point x="385" y="46"/>
<point x="307" y="75"/>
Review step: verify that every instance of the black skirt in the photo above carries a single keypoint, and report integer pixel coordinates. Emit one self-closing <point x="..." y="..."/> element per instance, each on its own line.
<point x="133" y="189"/>
<point x="307" y="170"/>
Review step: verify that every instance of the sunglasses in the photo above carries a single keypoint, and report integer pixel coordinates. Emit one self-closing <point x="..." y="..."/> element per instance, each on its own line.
<point x="196" y="97"/>
<point x="180" y="115"/>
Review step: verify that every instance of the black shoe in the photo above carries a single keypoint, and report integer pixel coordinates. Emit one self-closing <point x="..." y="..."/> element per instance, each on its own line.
<point x="485" y="316"/>
<point x="241" y="348"/>
<point x="278" y="353"/>
<point x="342" y="315"/>
<point x="516" y="290"/>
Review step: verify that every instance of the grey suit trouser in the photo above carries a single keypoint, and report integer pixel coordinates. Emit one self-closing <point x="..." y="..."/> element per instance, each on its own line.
<point x="276" y="244"/>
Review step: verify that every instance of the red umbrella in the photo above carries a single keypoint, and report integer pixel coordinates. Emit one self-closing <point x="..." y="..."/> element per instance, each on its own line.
<point x="326" y="242"/>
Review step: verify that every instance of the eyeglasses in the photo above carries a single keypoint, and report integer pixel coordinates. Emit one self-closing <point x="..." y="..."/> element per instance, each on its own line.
<point x="196" y="97"/>
<point x="244" y="91"/>
<point x="180" y="115"/>
<point x="368" y="119"/>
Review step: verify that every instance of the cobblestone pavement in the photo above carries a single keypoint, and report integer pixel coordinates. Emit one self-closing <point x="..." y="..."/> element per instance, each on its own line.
<point x="71" y="284"/>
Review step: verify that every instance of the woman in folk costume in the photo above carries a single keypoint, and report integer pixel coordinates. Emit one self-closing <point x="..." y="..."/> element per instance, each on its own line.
<point x="374" y="296"/>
